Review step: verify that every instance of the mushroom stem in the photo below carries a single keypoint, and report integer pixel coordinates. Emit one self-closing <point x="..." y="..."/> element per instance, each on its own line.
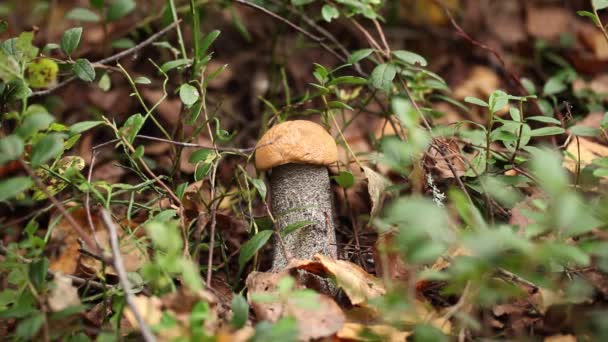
<point x="301" y="192"/>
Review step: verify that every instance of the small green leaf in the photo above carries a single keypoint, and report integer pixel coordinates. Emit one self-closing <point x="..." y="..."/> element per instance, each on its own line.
<point x="132" y="126"/>
<point x="554" y="86"/>
<point x="70" y="40"/>
<point x="3" y="26"/>
<point x="345" y="179"/>
<point x="382" y="77"/>
<point x="170" y="65"/>
<point x="329" y="12"/>
<point x="37" y="272"/>
<point x="339" y="105"/>
<point x="600" y="4"/>
<point x="528" y="85"/>
<point x="37" y="119"/>
<point x="84" y="70"/>
<point x="260" y="186"/>
<point x="119" y="9"/>
<point x="240" y="312"/>
<point x="498" y="100"/>
<point x="207" y="41"/>
<point x="588" y="14"/>
<point x="46" y="148"/>
<point x="11" y="148"/>
<point x="188" y="94"/>
<point x="515" y="114"/>
<point x="142" y="80"/>
<point x="104" y="82"/>
<point x="29" y="327"/>
<point x="354" y="80"/>
<point x="545" y="119"/>
<point x="476" y="101"/>
<point x="12" y="187"/>
<point x="604" y="123"/>
<point x="290" y="228"/>
<point x="251" y="247"/>
<point x="359" y="55"/>
<point x="82" y="126"/>
<point x="200" y="155"/>
<point x="82" y="14"/>
<point x="545" y="131"/>
<point x="584" y="131"/>
<point x="599" y="173"/>
<point x="410" y="57"/>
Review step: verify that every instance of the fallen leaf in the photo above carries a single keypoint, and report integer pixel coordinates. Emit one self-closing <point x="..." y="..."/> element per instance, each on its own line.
<point x="148" y="307"/>
<point x="134" y="255"/>
<point x="481" y="82"/>
<point x="439" y="164"/>
<point x="358" y="285"/>
<point x="588" y="152"/>
<point x="323" y="320"/>
<point x="376" y="184"/>
<point x="548" y="22"/>
<point x="389" y="262"/>
<point x="560" y="338"/>
<point x="63" y="293"/>
<point x="353" y="331"/>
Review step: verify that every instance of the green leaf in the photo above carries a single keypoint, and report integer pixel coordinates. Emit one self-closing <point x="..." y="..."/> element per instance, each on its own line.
<point x="240" y="312"/>
<point x="347" y="80"/>
<point x="600" y="4"/>
<point x="528" y="85"/>
<point x="476" y="101"/>
<point x="119" y="9"/>
<point x="188" y="94"/>
<point x="82" y="126"/>
<point x="498" y="100"/>
<point x="600" y="173"/>
<point x="104" y="82"/>
<point x="170" y="65"/>
<point x="584" y="131"/>
<point x="132" y="126"/>
<point x="84" y="70"/>
<point x="290" y="228"/>
<point x="604" y="123"/>
<point x="345" y="179"/>
<point x="82" y="14"/>
<point x="359" y="55"/>
<point x="207" y="41"/>
<point x="260" y="186"/>
<point x="142" y="80"/>
<point x="515" y="114"/>
<point x="46" y="148"/>
<point x="123" y="43"/>
<point x="29" y="327"/>
<point x="200" y="155"/>
<point x="3" y="26"/>
<point x="588" y="14"/>
<point x="12" y="187"/>
<point x="554" y="86"/>
<point x="70" y="40"/>
<point x="545" y="131"/>
<point x="329" y="12"/>
<point x="251" y="247"/>
<point x="382" y="77"/>
<point x="339" y="105"/>
<point x="410" y="57"/>
<point x="37" y="272"/>
<point x="545" y="119"/>
<point x="37" y="119"/>
<point x="11" y="148"/>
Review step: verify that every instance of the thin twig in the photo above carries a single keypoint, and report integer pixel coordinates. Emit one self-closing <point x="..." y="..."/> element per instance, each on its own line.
<point x="278" y="17"/>
<point x="123" y="278"/>
<point x="111" y="59"/>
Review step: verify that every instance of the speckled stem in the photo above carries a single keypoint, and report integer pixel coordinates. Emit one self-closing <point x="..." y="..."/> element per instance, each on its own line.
<point x="299" y="193"/>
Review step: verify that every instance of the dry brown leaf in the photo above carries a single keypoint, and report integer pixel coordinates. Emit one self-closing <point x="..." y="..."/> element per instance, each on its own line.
<point x="169" y="109"/>
<point x="242" y="335"/>
<point x="376" y="184"/>
<point x="439" y="165"/>
<point x="588" y="152"/>
<point x="594" y="40"/>
<point x="548" y="22"/>
<point x="313" y="322"/>
<point x="560" y="338"/>
<point x="358" y="285"/>
<point x="133" y="254"/>
<point x="388" y="260"/>
<point x="150" y="309"/>
<point x="63" y="293"/>
<point x="509" y="25"/>
<point x="352" y="332"/>
<point x="481" y="82"/>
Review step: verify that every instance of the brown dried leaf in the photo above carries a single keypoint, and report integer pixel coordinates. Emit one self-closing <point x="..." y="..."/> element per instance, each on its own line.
<point x="389" y="260"/>
<point x="148" y="307"/>
<point x="358" y="285"/>
<point x="440" y="165"/>
<point x="588" y="152"/>
<point x="324" y="320"/>
<point x="481" y="82"/>
<point x="352" y="332"/>
<point x="63" y="293"/>
<point x="376" y="184"/>
<point x="560" y="338"/>
<point x="548" y="22"/>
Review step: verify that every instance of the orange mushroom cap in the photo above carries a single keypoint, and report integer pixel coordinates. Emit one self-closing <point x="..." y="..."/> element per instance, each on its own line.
<point x="299" y="142"/>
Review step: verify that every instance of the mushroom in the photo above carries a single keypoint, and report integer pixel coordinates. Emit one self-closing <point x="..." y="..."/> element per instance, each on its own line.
<point x="297" y="153"/>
